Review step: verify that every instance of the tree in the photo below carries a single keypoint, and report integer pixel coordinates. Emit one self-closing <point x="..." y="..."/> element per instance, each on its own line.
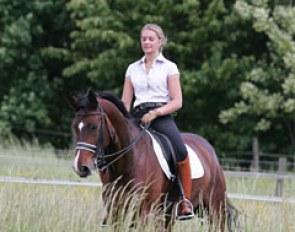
<point x="267" y="93"/>
<point x="30" y="80"/>
<point x="234" y="58"/>
<point x="203" y="39"/>
<point x="107" y="40"/>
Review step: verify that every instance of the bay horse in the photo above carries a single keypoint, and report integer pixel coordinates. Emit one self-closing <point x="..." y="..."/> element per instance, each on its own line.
<point x="106" y="137"/>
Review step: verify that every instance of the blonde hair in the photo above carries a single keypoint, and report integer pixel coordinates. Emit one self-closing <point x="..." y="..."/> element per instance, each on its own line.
<point x="156" y="28"/>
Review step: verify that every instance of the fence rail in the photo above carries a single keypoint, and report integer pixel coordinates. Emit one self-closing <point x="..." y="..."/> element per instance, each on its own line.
<point x="278" y="174"/>
<point x="273" y="175"/>
<point x="257" y="160"/>
<point x="98" y="184"/>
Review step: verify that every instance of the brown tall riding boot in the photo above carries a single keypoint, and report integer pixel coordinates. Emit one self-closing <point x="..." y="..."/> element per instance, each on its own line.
<point x="185" y="211"/>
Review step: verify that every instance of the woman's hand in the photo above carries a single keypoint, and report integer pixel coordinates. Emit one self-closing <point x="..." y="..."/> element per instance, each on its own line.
<point x="150" y="116"/>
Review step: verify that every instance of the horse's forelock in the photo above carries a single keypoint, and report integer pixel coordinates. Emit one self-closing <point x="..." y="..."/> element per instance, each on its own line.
<point x="82" y="102"/>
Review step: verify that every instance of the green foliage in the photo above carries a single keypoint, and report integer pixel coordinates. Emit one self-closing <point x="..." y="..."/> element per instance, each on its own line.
<point x="203" y="40"/>
<point x="30" y="80"/>
<point x="212" y="67"/>
<point x="100" y="42"/>
<point x="236" y="61"/>
<point x="268" y="89"/>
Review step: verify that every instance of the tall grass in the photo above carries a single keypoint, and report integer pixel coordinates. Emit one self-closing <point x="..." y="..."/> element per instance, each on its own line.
<point x="30" y="207"/>
<point x="33" y="207"/>
<point x="29" y="159"/>
<point x="259" y="186"/>
<point x="48" y="208"/>
<point x="266" y="216"/>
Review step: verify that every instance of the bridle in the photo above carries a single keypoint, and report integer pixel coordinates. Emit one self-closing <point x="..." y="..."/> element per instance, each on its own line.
<point x="100" y="161"/>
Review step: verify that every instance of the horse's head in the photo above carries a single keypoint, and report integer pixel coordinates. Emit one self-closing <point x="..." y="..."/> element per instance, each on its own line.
<point x="92" y="132"/>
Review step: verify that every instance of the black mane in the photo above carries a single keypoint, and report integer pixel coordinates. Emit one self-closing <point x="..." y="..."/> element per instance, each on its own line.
<point x="116" y="101"/>
<point x="83" y="101"/>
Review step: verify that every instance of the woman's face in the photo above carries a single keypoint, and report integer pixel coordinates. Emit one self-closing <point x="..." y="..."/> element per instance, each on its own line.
<point x="150" y="42"/>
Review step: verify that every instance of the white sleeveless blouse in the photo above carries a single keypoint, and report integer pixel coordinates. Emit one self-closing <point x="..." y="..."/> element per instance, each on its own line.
<point x="151" y="86"/>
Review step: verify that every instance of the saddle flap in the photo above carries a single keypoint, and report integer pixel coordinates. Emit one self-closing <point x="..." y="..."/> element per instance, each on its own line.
<point x="165" y="159"/>
<point x="166" y="148"/>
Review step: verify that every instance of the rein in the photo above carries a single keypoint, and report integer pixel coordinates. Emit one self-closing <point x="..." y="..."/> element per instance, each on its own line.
<point x="100" y="157"/>
<point x="121" y="153"/>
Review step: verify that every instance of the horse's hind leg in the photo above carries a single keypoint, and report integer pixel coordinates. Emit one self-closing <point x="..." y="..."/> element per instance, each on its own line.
<point x="217" y="215"/>
<point x="215" y="204"/>
<point x="221" y="215"/>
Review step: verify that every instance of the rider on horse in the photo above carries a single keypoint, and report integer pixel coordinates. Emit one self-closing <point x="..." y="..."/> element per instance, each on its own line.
<point x="154" y="81"/>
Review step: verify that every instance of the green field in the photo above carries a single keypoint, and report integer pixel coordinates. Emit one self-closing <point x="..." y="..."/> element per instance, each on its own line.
<point x="41" y="207"/>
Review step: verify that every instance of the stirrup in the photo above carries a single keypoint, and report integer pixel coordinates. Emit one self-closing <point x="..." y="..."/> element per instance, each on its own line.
<point x="182" y="217"/>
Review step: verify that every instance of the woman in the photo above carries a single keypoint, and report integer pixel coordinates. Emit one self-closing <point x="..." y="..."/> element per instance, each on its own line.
<point x="154" y="82"/>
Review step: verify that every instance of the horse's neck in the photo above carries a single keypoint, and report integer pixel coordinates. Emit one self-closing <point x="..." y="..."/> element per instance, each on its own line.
<point x="141" y="156"/>
<point x="138" y="167"/>
<point x="126" y="133"/>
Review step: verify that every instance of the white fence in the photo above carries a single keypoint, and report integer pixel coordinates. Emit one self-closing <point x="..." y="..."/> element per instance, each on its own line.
<point x="279" y="176"/>
<point x="98" y="184"/>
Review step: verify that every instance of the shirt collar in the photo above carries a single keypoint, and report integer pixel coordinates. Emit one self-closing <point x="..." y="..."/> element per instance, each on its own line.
<point x="160" y="58"/>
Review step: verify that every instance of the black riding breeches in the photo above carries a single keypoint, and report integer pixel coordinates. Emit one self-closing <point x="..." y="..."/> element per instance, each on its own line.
<point x="167" y="126"/>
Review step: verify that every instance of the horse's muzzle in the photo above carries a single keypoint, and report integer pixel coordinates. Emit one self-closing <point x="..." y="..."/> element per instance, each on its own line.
<point x="83" y="171"/>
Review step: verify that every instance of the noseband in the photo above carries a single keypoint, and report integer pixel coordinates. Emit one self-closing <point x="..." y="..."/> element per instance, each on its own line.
<point x="100" y="157"/>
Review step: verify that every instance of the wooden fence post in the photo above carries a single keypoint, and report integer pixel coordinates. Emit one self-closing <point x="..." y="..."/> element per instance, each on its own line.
<point x="255" y="151"/>
<point x="280" y="181"/>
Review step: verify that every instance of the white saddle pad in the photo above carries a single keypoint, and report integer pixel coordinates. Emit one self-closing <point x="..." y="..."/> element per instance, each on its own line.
<point x="197" y="169"/>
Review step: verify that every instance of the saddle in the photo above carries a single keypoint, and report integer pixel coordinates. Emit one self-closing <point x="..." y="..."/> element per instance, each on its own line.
<point x="167" y="158"/>
<point x="166" y="148"/>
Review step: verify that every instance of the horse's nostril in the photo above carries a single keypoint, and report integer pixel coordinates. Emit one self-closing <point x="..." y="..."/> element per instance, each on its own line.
<point x="85" y="171"/>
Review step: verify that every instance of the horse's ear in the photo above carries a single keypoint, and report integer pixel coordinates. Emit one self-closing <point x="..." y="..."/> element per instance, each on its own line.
<point x="92" y="100"/>
<point x="72" y="100"/>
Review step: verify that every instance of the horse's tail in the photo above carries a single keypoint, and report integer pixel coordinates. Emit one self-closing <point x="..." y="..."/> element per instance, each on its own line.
<point x="232" y="217"/>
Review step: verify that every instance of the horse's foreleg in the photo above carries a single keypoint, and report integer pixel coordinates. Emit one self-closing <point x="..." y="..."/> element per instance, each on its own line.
<point x="104" y="222"/>
<point x="105" y="219"/>
<point x="154" y="216"/>
<point x="169" y="222"/>
<point x="111" y="206"/>
<point x="105" y="179"/>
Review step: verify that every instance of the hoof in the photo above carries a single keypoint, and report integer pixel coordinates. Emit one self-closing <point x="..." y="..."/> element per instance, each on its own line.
<point x="104" y="222"/>
<point x="103" y="225"/>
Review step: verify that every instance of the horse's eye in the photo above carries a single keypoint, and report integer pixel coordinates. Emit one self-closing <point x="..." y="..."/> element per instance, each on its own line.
<point x="94" y="127"/>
